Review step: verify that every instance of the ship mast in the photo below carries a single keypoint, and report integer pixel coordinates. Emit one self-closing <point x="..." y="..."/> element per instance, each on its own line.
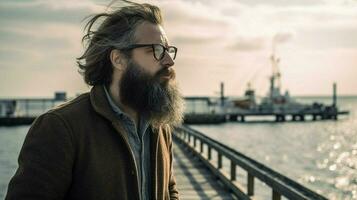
<point x="275" y="82"/>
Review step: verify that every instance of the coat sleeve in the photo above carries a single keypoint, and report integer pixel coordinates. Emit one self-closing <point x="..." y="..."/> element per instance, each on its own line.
<point x="174" y="194"/>
<point x="45" y="161"/>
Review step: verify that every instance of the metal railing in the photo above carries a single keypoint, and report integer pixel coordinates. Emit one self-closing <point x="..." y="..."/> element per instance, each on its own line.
<point x="280" y="185"/>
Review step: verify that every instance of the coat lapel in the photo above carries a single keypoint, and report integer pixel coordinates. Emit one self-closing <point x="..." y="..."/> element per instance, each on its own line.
<point x="154" y="140"/>
<point x="101" y="105"/>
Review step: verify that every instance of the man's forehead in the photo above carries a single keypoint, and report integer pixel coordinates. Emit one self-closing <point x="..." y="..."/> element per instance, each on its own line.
<point x="148" y="33"/>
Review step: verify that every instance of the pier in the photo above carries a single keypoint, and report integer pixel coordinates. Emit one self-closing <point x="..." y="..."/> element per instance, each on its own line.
<point x="210" y="110"/>
<point x="242" y="116"/>
<point x="23" y="111"/>
<point x="213" y="110"/>
<point x="281" y="116"/>
<point x="200" y="171"/>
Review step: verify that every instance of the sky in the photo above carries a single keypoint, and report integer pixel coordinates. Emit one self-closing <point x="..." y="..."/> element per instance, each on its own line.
<point x="227" y="41"/>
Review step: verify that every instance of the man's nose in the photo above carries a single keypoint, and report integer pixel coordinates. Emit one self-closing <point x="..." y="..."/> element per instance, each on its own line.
<point x="167" y="61"/>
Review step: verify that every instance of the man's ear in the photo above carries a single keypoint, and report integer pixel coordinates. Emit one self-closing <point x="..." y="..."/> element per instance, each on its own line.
<point x="117" y="59"/>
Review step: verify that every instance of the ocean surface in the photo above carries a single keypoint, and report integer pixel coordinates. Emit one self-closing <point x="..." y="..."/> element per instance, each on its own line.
<point x="320" y="155"/>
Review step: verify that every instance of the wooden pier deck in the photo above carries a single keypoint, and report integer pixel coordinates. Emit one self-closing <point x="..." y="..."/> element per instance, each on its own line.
<point x="194" y="180"/>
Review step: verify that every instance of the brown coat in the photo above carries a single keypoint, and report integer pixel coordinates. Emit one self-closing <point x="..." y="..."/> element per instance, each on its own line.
<point x="81" y="151"/>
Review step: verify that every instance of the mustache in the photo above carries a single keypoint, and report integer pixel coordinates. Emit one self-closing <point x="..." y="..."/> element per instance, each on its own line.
<point x="166" y="72"/>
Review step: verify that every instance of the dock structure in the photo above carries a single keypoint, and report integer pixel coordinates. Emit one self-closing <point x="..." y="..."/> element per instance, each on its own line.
<point x="213" y="110"/>
<point x="242" y="116"/>
<point x="205" y="110"/>
<point x="201" y="176"/>
<point x="23" y="111"/>
<point x="282" y="116"/>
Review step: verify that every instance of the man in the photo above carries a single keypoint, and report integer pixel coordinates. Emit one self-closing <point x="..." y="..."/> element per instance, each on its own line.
<point x="114" y="142"/>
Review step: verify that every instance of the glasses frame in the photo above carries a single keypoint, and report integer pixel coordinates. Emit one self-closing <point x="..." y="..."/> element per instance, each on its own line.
<point x="166" y="49"/>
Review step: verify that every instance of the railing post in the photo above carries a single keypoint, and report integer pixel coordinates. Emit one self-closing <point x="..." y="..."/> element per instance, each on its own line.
<point x="250" y="184"/>
<point x="219" y="160"/>
<point x="182" y="136"/>
<point x="201" y="146"/>
<point x="233" y="171"/>
<point x="194" y="141"/>
<point x="209" y="153"/>
<point x="189" y="139"/>
<point x="276" y="195"/>
<point x="186" y="138"/>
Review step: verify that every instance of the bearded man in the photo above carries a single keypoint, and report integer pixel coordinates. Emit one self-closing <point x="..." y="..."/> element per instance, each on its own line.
<point x="115" y="141"/>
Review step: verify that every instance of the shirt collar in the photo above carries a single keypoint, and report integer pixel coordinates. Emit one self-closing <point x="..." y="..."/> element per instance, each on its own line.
<point x="143" y="122"/>
<point x="115" y="108"/>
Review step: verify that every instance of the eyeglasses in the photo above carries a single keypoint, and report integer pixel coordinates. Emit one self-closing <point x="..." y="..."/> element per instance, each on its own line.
<point x="158" y="50"/>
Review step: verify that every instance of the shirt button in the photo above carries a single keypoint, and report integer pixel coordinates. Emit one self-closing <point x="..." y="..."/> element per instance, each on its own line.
<point x="132" y="172"/>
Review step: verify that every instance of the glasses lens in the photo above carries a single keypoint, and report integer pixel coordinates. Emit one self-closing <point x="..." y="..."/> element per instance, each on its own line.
<point x="172" y="52"/>
<point x="158" y="51"/>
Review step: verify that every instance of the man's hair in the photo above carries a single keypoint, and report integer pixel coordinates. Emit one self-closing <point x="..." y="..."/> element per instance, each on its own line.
<point x="115" y="32"/>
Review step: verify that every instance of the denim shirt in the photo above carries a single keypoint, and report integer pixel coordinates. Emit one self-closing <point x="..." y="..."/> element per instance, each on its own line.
<point x="139" y="141"/>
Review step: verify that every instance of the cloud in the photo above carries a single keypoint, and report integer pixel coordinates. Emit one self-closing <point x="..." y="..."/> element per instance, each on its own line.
<point x="328" y="37"/>
<point x="47" y="11"/>
<point x="256" y="43"/>
<point x="193" y="40"/>
<point x="39" y="45"/>
<point x="248" y="44"/>
<point x="199" y="13"/>
<point x="282" y="37"/>
<point x="185" y="13"/>
<point x="42" y="36"/>
<point x="193" y="24"/>
<point x="14" y="58"/>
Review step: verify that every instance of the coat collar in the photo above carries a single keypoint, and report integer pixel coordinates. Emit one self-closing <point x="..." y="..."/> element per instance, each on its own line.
<point x="100" y="103"/>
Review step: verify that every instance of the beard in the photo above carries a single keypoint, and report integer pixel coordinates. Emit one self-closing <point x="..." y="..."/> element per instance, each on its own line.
<point x="147" y="94"/>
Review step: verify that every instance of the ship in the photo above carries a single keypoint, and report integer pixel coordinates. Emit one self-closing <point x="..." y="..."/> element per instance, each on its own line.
<point x="276" y="104"/>
<point x="280" y="104"/>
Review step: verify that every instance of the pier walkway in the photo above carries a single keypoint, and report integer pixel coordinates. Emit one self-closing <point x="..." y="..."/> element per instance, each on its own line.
<point x="207" y="169"/>
<point x="194" y="180"/>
